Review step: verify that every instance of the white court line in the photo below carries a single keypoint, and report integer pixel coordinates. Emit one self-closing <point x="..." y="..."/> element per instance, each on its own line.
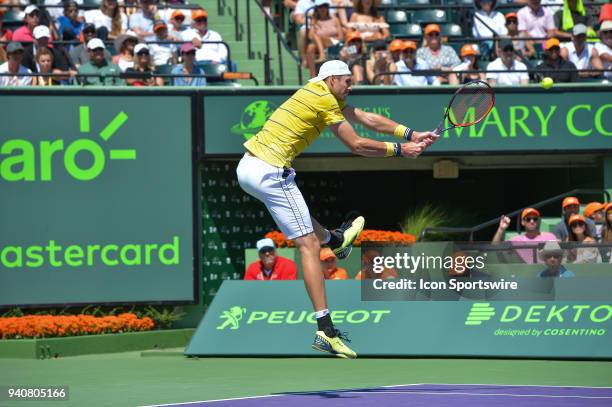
<point x="391" y="386"/>
<point x="454" y="393"/>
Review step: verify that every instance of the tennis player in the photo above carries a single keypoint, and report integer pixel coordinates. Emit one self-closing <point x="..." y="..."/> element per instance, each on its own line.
<point x="265" y="172"/>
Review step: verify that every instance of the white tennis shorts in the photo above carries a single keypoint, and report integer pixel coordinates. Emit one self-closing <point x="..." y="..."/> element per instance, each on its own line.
<point x="276" y="188"/>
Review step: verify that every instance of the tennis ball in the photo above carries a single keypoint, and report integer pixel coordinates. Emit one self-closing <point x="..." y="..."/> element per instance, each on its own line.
<point x="547" y="83"/>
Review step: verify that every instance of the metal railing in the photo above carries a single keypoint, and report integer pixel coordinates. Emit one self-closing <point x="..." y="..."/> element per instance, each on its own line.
<point x="516" y="213"/>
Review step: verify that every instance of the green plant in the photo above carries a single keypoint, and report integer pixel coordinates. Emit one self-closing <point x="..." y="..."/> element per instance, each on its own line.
<point x="13" y="312"/>
<point x="429" y="215"/>
<point x="164" y="318"/>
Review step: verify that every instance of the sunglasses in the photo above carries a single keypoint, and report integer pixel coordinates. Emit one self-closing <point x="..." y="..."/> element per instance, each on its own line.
<point x="201" y="20"/>
<point x="512" y="21"/>
<point x="433" y="34"/>
<point x="531" y="219"/>
<point x="578" y="224"/>
<point x="553" y="256"/>
<point x="141" y="53"/>
<point x="188" y="53"/>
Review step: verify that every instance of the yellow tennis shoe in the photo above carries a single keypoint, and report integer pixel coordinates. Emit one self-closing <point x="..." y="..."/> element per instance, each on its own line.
<point x="333" y="344"/>
<point x="349" y="232"/>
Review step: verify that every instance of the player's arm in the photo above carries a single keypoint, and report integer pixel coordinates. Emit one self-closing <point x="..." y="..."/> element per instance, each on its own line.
<point x="381" y="124"/>
<point x="372" y="148"/>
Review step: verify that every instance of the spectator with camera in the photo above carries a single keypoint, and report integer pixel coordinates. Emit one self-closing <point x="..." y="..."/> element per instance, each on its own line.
<point x="469" y="54"/>
<point x="354" y="55"/>
<point x="380" y="61"/>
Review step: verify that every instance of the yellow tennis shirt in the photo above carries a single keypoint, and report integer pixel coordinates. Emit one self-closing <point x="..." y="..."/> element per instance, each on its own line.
<point x="296" y="124"/>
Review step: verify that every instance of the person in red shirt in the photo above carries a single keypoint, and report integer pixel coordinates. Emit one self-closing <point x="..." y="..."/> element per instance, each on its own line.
<point x="270" y="266"/>
<point x="6" y="35"/>
<point x="330" y="270"/>
<point x="32" y="19"/>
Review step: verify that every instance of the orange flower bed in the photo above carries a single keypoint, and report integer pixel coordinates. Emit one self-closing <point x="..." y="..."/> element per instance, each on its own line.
<point x="367" y="235"/>
<point x="45" y="326"/>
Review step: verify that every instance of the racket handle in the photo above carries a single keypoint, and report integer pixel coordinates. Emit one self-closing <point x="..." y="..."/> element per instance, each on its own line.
<point x="439" y="129"/>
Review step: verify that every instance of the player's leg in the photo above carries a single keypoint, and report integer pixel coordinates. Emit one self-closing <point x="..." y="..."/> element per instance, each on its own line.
<point x="309" y="248"/>
<point x="340" y="240"/>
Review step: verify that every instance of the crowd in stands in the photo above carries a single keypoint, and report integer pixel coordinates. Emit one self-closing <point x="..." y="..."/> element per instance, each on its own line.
<point x="563" y="40"/>
<point x="574" y="240"/>
<point x="118" y="43"/>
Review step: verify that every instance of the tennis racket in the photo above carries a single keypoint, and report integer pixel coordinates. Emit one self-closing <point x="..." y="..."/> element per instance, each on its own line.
<point x="469" y="105"/>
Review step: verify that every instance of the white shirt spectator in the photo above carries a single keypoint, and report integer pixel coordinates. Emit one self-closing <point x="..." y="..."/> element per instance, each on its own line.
<point x="56" y="12"/>
<point x="604" y="49"/>
<point x="495" y="20"/>
<point x="413" y="80"/>
<point x="162" y="53"/>
<point x="507" y="78"/>
<point x="582" y="60"/>
<point x="15" y="80"/>
<point x="207" y="52"/>
<point x="139" y="20"/>
<point x="99" y="19"/>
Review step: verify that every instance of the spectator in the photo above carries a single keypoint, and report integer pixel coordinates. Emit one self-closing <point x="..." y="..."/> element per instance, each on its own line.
<point x="536" y="21"/>
<point x="507" y="63"/>
<point x="410" y="63"/>
<point x="380" y="61"/>
<point x="367" y="267"/>
<point x="579" y="233"/>
<point x="188" y="52"/>
<point x="109" y="20"/>
<point x="14" y="52"/>
<point x="570" y="206"/>
<point x="606" y="234"/>
<point x="108" y="72"/>
<point x="552" y="255"/>
<point x="142" y="21"/>
<point x="41" y="40"/>
<point x="199" y="33"/>
<point x="437" y="55"/>
<point x="368" y="22"/>
<point x="605" y="13"/>
<point x="330" y="270"/>
<point x="79" y="55"/>
<point x="396" y="48"/>
<point x="270" y="266"/>
<point x="554" y="66"/>
<point x="162" y="53"/>
<point x="523" y="47"/>
<point x="573" y="13"/>
<point x="44" y="62"/>
<point x="341" y="11"/>
<point x="325" y="32"/>
<point x="56" y="12"/>
<point x="125" y="44"/>
<point x="486" y="18"/>
<point x="604" y="48"/>
<point x="354" y="55"/>
<point x="298" y="16"/>
<point x="25" y="33"/>
<point x="581" y="54"/>
<point x="531" y="221"/>
<point x="6" y="35"/>
<point x="70" y="26"/>
<point x="177" y="18"/>
<point x="595" y="212"/>
<point x="142" y="72"/>
<point x="469" y="54"/>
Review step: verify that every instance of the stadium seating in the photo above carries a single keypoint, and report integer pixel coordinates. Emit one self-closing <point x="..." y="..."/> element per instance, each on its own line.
<point x="429" y="16"/>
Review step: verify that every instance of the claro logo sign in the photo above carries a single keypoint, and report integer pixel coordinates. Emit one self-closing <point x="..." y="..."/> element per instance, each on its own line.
<point x="84" y="159"/>
<point x="236" y="317"/>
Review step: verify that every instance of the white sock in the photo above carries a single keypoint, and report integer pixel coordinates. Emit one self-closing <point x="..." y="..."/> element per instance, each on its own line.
<point x="322" y="313"/>
<point x="327" y="237"/>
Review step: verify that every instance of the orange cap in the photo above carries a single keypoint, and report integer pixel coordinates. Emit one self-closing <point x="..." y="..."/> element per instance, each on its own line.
<point x="553" y="42"/>
<point x="429" y="28"/>
<point x="570" y="200"/>
<point x="512" y="15"/>
<point x="576" y="218"/>
<point x="177" y="13"/>
<point x="468" y="49"/>
<point x="199" y="13"/>
<point x="410" y="45"/>
<point x="326" y="254"/>
<point x="158" y="25"/>
<point x="593" y="207"/>
<point x="352" y="36"/>
<point x="396" y="45"/>
<point x="529" y="211"/>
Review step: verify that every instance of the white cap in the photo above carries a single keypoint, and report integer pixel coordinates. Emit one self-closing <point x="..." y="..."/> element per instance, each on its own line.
<point x="579" y="29"/>
<point x="140" y="47"/>
<point x="41" y="31"/>
<point x="28" y="10"/>
<point x="606" y="26"/>
<point x="95" y="43"/>
<point x="321" y="2"/>
<point x="332" y="68"/>
<point x="263" y="243"/>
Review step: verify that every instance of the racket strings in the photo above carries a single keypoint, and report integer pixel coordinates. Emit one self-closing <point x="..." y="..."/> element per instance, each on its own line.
<point x="471" y="104"/>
